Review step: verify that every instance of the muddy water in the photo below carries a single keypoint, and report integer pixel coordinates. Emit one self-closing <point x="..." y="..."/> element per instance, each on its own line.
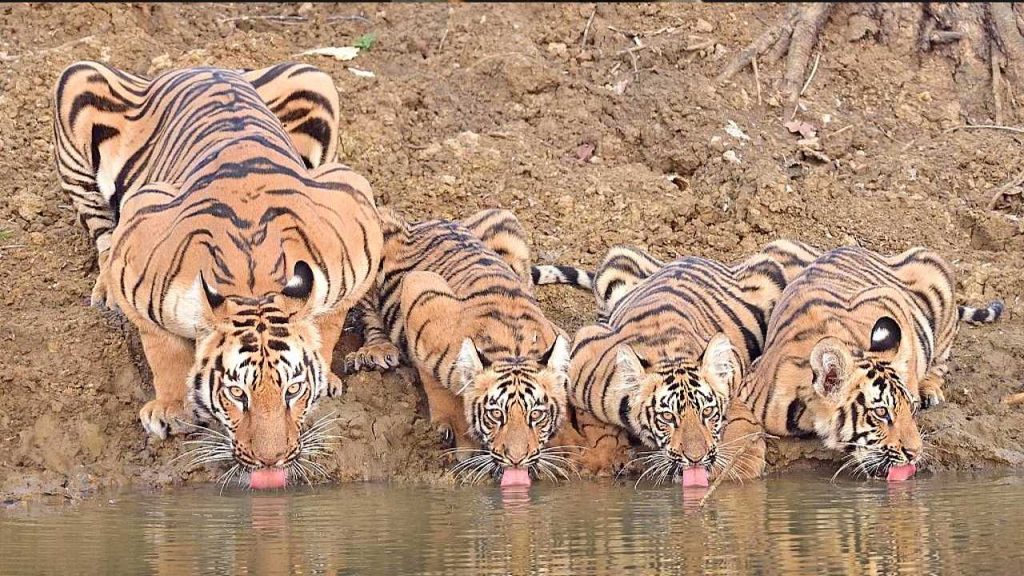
<point x="784" y="525"/>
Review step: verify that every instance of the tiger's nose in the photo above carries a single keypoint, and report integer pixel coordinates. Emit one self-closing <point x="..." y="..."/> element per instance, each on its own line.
<point x="695" y="456"/>
<point x="276" y="458"/>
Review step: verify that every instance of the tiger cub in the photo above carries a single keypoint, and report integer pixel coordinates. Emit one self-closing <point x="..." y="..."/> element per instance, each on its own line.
<point x="856" y="345"/>
<point x="670" y="349"/>
<point x="227" y="234"/>
<point x="455" y="298"/>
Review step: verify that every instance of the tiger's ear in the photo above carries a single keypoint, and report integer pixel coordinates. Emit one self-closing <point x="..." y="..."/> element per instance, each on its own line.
<point x="885" y="335"/>
<point x="831" y="363"/>
<point x="629" y="369"/>
<point x="469" y="364"/>
<point x="719" y="364"/>
<point x="557" y="356"/>
<point x="213" y="299"/>
<point x="300" y="285"/>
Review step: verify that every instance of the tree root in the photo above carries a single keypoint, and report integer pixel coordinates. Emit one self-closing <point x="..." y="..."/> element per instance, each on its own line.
<point x="794" y="36"/>
<point x="985" y="39"/>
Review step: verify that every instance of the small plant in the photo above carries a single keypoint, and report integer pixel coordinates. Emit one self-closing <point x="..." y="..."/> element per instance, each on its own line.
<point x="5" y="234"/>
<point x="366" y="42"/>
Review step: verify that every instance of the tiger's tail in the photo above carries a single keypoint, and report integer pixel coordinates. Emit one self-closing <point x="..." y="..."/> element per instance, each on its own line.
<point x="554" y="274"/>
<point x="985" y="315"/>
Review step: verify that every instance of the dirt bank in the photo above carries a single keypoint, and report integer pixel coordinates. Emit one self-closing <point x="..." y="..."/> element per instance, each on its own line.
<point x="590" y="144"/>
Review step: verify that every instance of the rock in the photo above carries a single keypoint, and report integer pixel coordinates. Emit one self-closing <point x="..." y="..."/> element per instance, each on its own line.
<point x="28" y="205"/>
<point x="557" y="48"/>
<point x="730" y="156"/>
<point x="703" y="26"/>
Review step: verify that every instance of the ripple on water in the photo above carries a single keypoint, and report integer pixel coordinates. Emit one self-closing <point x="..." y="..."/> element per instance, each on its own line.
<point x="785" y="525"/>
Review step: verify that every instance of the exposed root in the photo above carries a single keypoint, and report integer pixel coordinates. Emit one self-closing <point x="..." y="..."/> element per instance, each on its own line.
<point x="985" y="39"/>
<point x="794" y="35"/>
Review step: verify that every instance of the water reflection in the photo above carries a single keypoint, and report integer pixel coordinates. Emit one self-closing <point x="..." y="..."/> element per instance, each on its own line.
<point x="778" y="526"/>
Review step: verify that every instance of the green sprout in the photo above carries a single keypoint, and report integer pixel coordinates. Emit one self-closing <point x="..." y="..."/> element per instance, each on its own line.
<point x="366" y="42"/>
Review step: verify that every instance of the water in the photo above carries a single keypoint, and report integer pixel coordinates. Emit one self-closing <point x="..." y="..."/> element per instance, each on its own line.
<point x="786" y="525"/>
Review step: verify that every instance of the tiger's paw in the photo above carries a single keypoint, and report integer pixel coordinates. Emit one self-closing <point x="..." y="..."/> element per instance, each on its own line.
<point x="161" y="418"/>
<point x="101" y="296"/>
<point x="446" y="435"/>
<point x="931" y="392"/>
<point x="335" y="386"/>
<point x="380" y="356"/>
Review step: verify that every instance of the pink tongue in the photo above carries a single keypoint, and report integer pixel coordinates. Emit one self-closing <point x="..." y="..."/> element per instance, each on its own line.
<point x="264" y="478"/>
<point x="901" y="473"/>
<point x="695" y="477"/>
<point x="515" y="477"/>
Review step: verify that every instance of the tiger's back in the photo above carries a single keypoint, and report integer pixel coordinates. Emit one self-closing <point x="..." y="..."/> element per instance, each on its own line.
<point x="226" y="233"/>
<point x="456" y="300"/>
<point x="672" y="314"/>
<point x="501" y="304"/>
<point x="843" y="295"/>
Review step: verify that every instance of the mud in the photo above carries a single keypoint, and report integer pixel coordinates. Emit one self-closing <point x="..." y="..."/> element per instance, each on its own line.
<point x="590" y="144"/>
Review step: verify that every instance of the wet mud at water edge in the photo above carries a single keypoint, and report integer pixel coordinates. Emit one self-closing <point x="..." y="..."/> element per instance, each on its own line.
<point x="589" y="141"/>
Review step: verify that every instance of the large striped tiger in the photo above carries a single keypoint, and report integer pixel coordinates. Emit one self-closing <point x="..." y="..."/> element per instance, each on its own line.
<point x="857" y="343"/>
<point x="455" y="298"/>
<point x="227" y="234"/>
<point x="670" y="349"/>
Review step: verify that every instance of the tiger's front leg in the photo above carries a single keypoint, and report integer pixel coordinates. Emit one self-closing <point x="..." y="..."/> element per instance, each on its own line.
<point x="330" y="326"/>
<point x="742" y="449"/>
<point x="448" y="415"/>
<point x="602" y="449"/>
<point x="930" y="389"/>
<point x="101" y="295"/>
<point x="170" y="358"/>
<point x="378" y="352"/>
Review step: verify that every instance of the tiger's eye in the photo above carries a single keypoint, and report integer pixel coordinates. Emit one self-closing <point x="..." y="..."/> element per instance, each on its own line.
<point x="708" y="412"/>
<point x="882" y="412"/>
<point x="537" y="414"/>
<point x="668" y="417"/>
<point x="496" y="413"/>
<point x="236" y="391"/>
<point x="294" y="388"/>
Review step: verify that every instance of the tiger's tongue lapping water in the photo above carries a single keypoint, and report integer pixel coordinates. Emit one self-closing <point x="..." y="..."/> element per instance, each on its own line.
<point x="515" y="477"/>
<point x="901" y="473"/>
<point x="696" y="476"/>
<point x="266" y="478"/>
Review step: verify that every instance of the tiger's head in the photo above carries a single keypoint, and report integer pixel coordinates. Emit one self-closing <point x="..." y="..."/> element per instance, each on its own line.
<point x="259" y="371"/>
<point x="870" y="408"/>
<point x="678" y="407"/>
<point x="514" y="405"/>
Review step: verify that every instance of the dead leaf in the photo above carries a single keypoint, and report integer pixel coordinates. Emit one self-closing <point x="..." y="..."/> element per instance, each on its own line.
<point x="805" y="129"/>
<point x="338" y="52"/>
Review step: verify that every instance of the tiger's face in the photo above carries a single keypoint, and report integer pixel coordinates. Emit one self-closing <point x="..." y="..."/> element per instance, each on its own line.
<point x="259" y="372"/>
<point x="514" y="405"/>
<point x="679" y="407"/>
<point x="871" y="410"/>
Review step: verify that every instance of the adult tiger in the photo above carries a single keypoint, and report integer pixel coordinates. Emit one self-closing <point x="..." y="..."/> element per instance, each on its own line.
<point x="226" y="233"/>
<point x="855" y="345"/>
<point x="670" y="349"/>
<point x="455" y="298"/>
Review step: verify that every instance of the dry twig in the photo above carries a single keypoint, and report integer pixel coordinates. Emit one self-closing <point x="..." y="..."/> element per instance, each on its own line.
<point x="732" y="464"/>
<point x="586" y="29"/>
<point x="984" y="127"/>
